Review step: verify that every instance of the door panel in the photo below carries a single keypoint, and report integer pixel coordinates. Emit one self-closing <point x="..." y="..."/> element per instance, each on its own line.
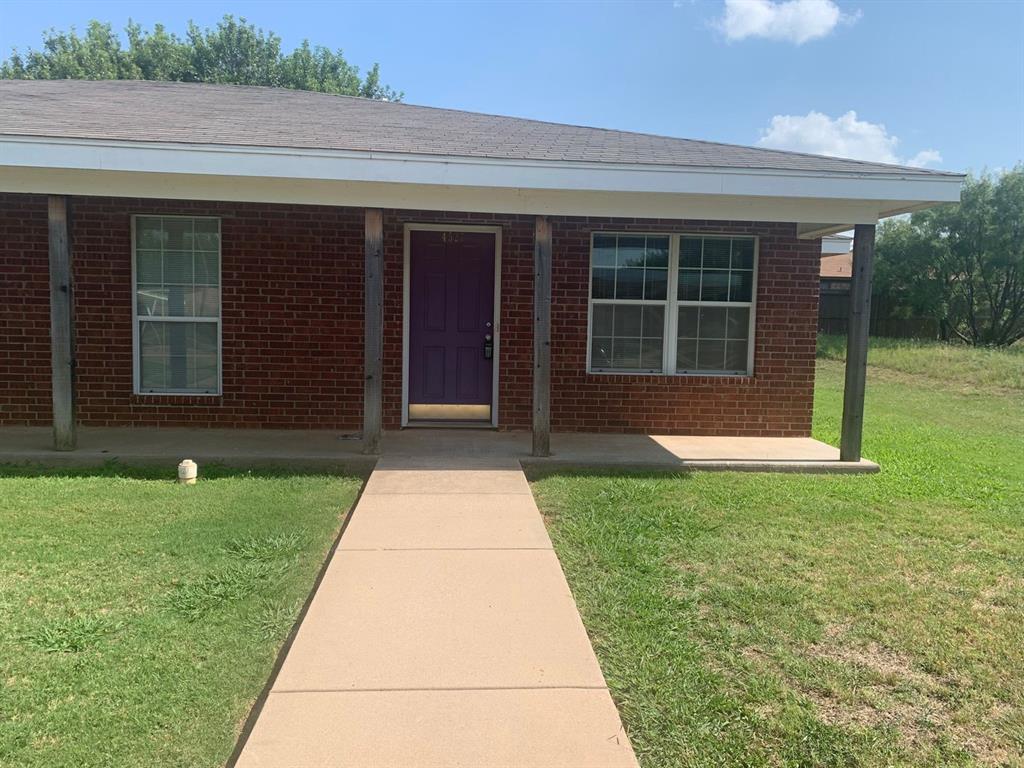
<point x="451" y="311"/>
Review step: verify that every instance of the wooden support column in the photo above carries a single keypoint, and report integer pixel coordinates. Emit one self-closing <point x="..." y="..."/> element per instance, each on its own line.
<point x="542" y="338"/>
<point x="62" y="326"/>
<point x="373" y="344"/>
<point x="857" y="342"/>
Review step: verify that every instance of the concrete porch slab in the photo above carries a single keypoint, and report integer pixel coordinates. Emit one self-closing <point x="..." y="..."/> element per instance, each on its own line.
<point x="441" y="619"/>
<point x="431" y="448"/>
<point x="538" y="728"/>
<point x="446" y="521"/>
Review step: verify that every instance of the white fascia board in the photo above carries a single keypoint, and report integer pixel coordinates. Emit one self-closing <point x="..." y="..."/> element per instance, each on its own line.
<point x="395" y="168"/>
<point x="554" y="202"/>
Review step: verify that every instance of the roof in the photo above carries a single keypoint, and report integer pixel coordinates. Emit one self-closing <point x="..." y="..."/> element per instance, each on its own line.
<point x="209" y="114"/>
<point x="837" y="265"/>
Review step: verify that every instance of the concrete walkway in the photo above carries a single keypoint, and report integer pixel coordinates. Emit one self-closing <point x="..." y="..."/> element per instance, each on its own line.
<point x="443" y="634"/>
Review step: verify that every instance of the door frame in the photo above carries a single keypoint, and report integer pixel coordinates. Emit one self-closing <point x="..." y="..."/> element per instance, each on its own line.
<point x="409" y="228"/>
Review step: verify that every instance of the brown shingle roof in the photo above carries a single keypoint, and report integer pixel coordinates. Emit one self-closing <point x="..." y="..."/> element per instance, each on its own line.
<point x="276" y="117"/>
<point x="837" y="265"/>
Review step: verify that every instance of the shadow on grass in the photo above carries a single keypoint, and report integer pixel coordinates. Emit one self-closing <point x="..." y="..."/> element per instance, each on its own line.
<point x="166" y="471"/>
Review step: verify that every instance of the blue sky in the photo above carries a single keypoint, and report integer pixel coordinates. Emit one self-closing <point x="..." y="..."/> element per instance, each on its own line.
<point x="934" y="83"/>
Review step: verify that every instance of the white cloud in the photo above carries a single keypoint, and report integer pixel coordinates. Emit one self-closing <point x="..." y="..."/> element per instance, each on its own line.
<point x="844" y="136"/>
<point x="794" y="21"/>
<point x="925" y="157"/>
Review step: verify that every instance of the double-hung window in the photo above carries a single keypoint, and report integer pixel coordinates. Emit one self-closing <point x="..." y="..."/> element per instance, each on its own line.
<point x="681" y="304"/>
<point x="177" y="305"/>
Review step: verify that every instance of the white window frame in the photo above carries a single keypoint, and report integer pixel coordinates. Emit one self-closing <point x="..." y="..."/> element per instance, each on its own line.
<point x="670" y="339"/>
<point x="136" y="319"/>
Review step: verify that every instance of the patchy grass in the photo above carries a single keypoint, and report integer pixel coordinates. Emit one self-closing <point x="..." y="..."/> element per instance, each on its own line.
<point x="874" y="620"/>
<point x="954" y="364"/>
<point x="139" y="619"/>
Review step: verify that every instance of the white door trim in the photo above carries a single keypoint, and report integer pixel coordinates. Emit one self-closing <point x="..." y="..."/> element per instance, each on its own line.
<point x="495" y="373"/>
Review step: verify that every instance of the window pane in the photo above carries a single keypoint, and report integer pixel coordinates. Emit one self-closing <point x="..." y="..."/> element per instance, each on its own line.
<point x="601" y="352"/>
<point x="604" y="251"/>
<point x="736" y="355"/>
<point x="148" y="232"/>
<point x="654" y="322"/>
<point x="602" y="320"/>
<point x="714" y="285"/>
<point x="657" y="252"/>
<point x="631" y="252"/>
<point x="688" y="317"/>
<point x="207" y="237"/>
<point x="151" y="301"/>
<point x="207" y="269"/>
<point x="204" y="373"/>
<point x="626" y="353"/>
<point x="716" y="253"/>
<point x="178" y="356"/>
<point x="743" y="254"/>
<point x="205" y="338"/>
<point x="177" y="267"/>
<point x="178" y="234"/>
<point x="689" y="285"/>
<point x="603" y="283"/>
<point x="651" y="354"/>
<point x="689" y="252"/>
<point x="627" y="320"/>
<point x="712" y="322"/>
<point x="740" y="285"/>
<point x="149" y="267"/>
<point x="655" y="283"/>
<point x="629" y="283"/>
<point x="710" y="355"/>
<point x="686" y="355"/>
<point x="205" y="302"/>
<point x="738" y="323"/>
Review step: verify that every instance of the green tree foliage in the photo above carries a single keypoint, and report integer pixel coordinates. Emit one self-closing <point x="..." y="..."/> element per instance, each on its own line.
<point x="232" y="52"/>
<point x="962" y="264"/>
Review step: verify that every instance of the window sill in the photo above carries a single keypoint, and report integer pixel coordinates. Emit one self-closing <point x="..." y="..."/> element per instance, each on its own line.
<point x="702" y="378"/>
<point x="177" y="398"/>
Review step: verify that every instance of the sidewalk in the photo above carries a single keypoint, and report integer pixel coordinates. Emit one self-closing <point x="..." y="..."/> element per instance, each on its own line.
<point x="443" y="634"/>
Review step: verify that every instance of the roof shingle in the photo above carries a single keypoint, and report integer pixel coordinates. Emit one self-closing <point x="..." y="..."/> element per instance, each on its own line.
<point x="132" y="110"/>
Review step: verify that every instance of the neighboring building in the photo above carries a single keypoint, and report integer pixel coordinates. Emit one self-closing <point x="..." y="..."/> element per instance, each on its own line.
<point x="836" y="271"/>
<point x="223" y="239"/>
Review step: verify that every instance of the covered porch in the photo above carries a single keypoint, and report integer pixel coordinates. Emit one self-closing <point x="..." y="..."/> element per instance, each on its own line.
<point x="333" y="450"/>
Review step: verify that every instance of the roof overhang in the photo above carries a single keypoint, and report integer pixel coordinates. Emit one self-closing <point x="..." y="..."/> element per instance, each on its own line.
<point x="434" y="182"/>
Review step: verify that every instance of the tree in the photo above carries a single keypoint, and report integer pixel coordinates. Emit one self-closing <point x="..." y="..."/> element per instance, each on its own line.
<point x="232" y="52"/>
<point x="962" y="264"/>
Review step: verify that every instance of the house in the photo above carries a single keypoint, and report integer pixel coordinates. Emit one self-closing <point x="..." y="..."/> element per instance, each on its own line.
<point x="210" y="255"/>
<point x="836" y="272"/>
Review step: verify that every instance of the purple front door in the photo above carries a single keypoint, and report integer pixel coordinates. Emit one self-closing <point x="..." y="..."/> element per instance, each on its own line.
<point x="451" y="325"/>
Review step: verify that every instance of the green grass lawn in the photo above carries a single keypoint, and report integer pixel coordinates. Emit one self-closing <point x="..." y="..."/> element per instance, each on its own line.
<point x="139" y="619"/>
<point x="785" y="620"/>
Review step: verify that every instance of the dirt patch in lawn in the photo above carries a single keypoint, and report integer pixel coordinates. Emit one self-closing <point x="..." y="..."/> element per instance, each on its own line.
<point x="892" y="692"/>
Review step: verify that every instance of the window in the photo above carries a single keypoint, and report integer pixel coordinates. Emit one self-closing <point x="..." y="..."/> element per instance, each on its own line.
<point x="177" y="305"/>
<point x="629" y="296"/>
<point x="679" y="304"/>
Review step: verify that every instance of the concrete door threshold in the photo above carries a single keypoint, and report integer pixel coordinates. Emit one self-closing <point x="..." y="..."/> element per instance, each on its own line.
<point x="443" y="633"/>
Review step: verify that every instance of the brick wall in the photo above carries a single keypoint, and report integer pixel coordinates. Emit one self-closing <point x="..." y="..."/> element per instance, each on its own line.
<point x="777" y="401"/>
<point x="292" y="324"/>
<point x="24" y="311"/>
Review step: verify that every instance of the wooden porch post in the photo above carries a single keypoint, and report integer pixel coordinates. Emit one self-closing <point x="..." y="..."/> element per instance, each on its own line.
<point x="373" y="345"/>
<point x="857" y="342"/>
<point x="542" y="338"/>
<point x="62" y="326"/>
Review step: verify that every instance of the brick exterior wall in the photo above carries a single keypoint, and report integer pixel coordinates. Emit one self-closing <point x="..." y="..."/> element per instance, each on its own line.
<point x="292" y="324"/>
